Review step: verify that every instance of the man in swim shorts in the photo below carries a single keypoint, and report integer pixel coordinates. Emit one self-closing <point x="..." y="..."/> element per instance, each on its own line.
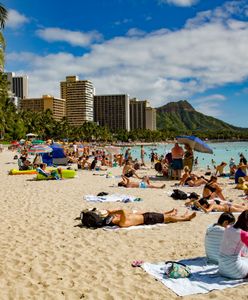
<point x="125" y="218"/>
<point x="145" y="183"/>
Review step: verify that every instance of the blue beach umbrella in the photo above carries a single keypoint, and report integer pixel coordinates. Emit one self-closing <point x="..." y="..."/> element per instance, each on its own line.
<point x="195" y="143"/>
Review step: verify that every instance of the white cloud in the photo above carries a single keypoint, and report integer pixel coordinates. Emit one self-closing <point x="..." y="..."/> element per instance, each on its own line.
<point x="15" y="19"/>
<point x="135" y="32"/>
<point x="159" y="66"/>
<point x="183" y="3"/>
<point x="210" y="105"/>
<point x="74" y="38"/>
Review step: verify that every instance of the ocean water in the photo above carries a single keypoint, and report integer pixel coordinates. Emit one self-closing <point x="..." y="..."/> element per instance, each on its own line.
<point x="221" y="152"/>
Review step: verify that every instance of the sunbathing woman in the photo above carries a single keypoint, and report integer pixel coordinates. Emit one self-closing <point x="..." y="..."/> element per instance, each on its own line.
<point x="220" y="169"/>
<point x="145" y="183"/>
<point x="191" y="179"/>
<point x="215" y="205"/>
<point x="212" y="189"/>
<point x="125" y="218"/>
<point x="129" y="171"/>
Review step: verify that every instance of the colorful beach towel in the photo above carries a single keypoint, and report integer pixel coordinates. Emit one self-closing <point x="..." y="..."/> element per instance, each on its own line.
<point x="204" y="278"/>
<point x="112" y="198"/>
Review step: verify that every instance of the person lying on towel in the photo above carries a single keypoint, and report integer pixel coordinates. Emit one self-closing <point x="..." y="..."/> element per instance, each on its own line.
<point x="144" y="184"/>
<point x="126" y="218"/>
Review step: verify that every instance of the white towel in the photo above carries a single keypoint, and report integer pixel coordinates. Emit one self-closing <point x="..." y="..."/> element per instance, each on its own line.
<point x="133" y="227"/>
<point x="112" y="198"/>
<point x="204" y="278"/>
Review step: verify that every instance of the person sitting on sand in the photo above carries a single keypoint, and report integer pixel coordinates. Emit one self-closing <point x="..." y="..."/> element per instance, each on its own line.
<point x="191" y="179"/>
<point x="241" y="184"/>
<point x="235" y="240"/>
<point x="54" y="174"/>
<point x="214" y="235"/>
<point x="125" y="218"/>
<point x="129" y="171"/>
<point x="220" y="169"/>
<point x="240" y="172"/>
<point x="212" y="189"/>
<point x="215" y="205"/>
<point x="145" y="183"/>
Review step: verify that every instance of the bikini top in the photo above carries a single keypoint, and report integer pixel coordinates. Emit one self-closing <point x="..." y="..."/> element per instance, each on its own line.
<point x="209" y="187"/>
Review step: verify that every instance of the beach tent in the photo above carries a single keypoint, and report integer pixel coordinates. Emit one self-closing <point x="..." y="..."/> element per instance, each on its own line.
<point x="56" y="157"/>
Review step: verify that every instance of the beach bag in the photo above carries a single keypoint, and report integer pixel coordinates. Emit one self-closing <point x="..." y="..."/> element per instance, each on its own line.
<point x="92" y="218"/>
<point x="176" y="270"/>
<point x="179" y="195"/>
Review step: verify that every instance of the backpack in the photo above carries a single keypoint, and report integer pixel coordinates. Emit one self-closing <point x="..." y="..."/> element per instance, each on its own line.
<point x="175" y="270"/>
<point x="94" y="218"/>
<point x="179" y="195"/>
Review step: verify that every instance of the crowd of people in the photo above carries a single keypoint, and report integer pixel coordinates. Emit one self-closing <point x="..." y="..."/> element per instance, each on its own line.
<point x="225" y="241"/>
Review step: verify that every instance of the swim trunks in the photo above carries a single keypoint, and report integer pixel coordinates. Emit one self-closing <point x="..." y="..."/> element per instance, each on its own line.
<point x="151" y="218"/>
<point x="142" y="185"/>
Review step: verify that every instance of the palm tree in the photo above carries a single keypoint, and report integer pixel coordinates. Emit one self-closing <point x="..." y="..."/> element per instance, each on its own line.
<point x="3" y="19"/>
<point x="3" y="16"/>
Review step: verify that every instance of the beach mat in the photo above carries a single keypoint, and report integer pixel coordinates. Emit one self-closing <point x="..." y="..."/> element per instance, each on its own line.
<point x="112" y="198"/>
<point x="204" y="278"/>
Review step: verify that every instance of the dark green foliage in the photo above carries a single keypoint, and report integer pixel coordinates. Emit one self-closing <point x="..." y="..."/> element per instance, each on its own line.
<point x="181" y="116"/>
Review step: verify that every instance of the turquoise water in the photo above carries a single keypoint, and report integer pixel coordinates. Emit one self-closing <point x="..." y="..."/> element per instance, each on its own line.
<point x="222" y="152"/>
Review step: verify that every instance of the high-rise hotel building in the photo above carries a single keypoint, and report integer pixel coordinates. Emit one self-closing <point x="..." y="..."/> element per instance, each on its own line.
<point x="18" y="87"/>
<point x="112" y="111"/>
<point x="56" y="105"/>
<point x="79" y="96"/>
<point x="142" y="115"/>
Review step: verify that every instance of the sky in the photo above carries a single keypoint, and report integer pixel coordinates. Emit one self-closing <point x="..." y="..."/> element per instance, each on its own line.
<point x="156" y="50"/>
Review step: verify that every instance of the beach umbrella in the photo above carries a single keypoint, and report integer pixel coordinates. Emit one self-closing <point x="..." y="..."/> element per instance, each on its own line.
<point x="37" y="142"/>
<point x="14" y="143"/>
<point x="31" y="135"/>
<point x="195" y="143"/>
<point x="38" y="149"/>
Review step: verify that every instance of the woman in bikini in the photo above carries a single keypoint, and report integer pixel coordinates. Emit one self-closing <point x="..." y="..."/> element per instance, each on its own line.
<point x="215" y="205"/>
<point x="145" y="183"/>
<point x="129" y="171"/>
<point x="191" y="179"/>
<point x="212" y="189"/>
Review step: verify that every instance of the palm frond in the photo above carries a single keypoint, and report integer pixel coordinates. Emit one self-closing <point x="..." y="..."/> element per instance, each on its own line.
<point x="3" y="16"/>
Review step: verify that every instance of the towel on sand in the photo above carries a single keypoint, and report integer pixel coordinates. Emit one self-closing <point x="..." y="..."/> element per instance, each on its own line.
<point x="132" y="227"/>
<point x="112" y="198"/>
<point x="204" y="278"/>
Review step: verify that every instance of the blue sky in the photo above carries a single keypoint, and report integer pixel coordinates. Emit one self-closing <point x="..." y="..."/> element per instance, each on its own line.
<point x="158" y="50"/>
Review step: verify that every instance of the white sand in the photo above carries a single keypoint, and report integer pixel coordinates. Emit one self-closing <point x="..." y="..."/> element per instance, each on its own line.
<point x="43" y="256"/>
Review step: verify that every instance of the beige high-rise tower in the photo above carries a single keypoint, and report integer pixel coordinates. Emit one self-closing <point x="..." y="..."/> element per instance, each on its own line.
<point x="79" y="95"/>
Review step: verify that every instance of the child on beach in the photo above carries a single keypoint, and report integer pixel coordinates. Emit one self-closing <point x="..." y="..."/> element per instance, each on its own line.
<point x="214" y="235"/>
<point x="235" y="238"/>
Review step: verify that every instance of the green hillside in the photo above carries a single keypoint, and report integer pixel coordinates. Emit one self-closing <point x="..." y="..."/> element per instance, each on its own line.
<point x="181" y="116"/>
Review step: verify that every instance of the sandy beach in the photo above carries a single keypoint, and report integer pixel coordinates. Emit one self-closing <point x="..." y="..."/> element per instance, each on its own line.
<point x="44" y="255"/>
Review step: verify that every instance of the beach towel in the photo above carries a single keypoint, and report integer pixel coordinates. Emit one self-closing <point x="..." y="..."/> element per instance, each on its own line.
<point x="112" y="198"/>
<point x="111" y="228"/>
<point x="204" y="278"/>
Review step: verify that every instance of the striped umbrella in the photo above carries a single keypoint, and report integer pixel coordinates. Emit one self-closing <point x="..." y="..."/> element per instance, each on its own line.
<point x="38" y="149"/>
